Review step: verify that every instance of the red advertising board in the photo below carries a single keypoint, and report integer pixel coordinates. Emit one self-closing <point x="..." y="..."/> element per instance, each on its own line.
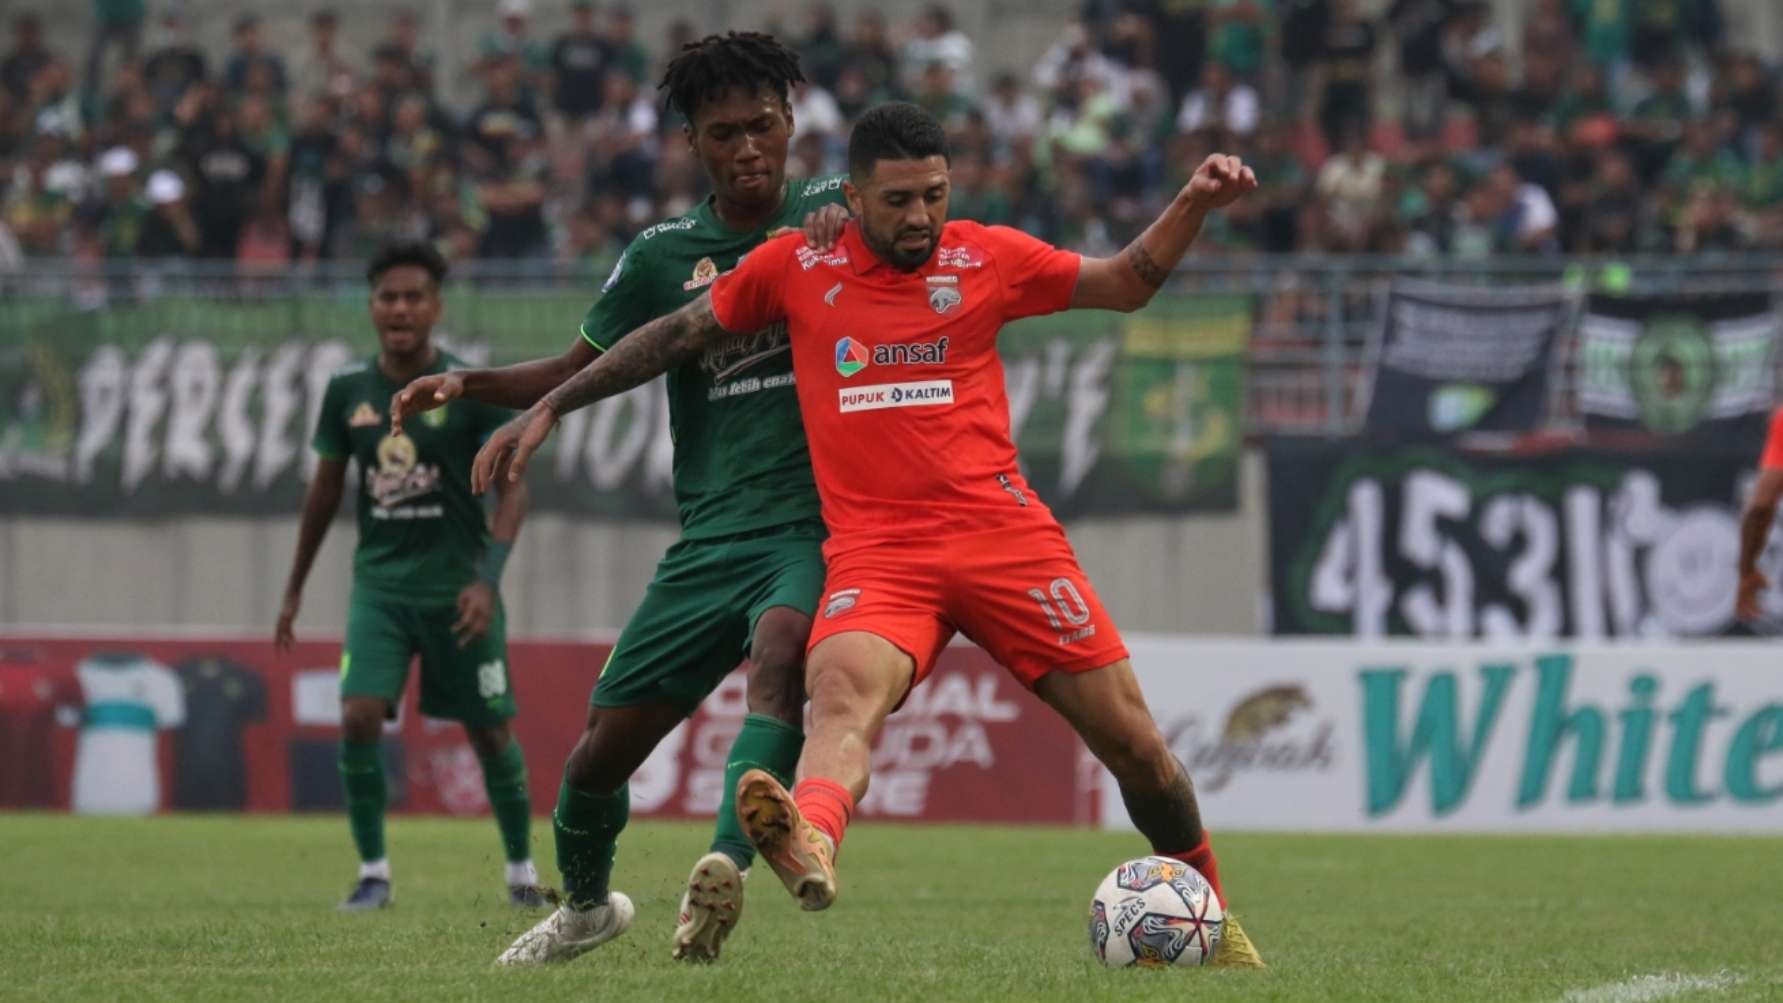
<point x="130" y="724"/>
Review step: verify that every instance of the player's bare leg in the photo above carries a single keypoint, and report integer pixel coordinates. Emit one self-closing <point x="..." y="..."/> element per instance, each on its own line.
<point x="855" y="679"/>
<point x="593" y="806"/>
<point x="1108" y="710"/>
<point x="712" y="905"/>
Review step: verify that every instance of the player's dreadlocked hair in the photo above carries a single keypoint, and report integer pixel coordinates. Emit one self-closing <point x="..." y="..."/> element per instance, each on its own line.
<point x="748" y="60"/>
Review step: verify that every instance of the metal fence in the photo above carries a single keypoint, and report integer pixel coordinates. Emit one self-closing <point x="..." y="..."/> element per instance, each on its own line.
<point x="1315" y="319"/>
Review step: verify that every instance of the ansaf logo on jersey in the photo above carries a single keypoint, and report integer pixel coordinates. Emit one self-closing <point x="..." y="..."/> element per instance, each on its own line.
<point x="960" y="257"/>
<point x="810" y="258"/>
<point x="912" y="353"/>
<point x="851" y="356"/>
<point x="704" y="274"/>
<point x="840" y="601"/>
<point x="944" y="292"/>
<point x="365" y="416"/>
<point x="923" y="393"/>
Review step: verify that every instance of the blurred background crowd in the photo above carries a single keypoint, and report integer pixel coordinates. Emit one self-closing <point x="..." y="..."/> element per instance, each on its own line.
<point x="1404" y="127"/>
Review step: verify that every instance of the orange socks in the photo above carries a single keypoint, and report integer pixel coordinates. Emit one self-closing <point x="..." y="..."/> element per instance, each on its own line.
<point x="1201" y="859"/>
<point x="827" y="805"/>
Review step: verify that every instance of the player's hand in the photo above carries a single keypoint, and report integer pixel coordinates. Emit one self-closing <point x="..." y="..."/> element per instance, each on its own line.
<point x="1751" y="584"/>
<point x="512" y="445"/>
<point x="823" y="227"/>
<point x="283" y="637"/>
<point x="424" y="393"/>
<point x="1219" y="182"/>
<point x="476" y="608"/>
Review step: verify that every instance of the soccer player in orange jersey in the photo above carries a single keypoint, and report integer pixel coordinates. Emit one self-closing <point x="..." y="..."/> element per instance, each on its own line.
<point x="932" y="527"/>
<point x="1755" y="525"/>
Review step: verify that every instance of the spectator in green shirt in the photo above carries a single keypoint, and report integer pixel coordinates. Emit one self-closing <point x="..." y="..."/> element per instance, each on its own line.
<point x="1702" y="161"/>
<point x="973" y="196"/>
<point x="115" y="220"/>
<point x="622" y="39"/>
<point x="115" y="23"/>
<point x="1240" y="34"/>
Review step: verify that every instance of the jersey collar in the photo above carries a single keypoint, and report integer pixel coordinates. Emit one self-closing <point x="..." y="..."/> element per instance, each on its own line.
<point x="706" y="211"/>
<point x="863" y="260"/>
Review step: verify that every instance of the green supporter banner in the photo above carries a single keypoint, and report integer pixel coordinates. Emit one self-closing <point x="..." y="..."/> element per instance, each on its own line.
<point x="189" y="405"/>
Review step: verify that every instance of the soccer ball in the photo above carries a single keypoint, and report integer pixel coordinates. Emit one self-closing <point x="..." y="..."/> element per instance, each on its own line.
<point x="1155" y="911"/>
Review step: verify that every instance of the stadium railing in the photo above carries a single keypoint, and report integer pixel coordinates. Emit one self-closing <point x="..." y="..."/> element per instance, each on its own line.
<point x="1315" y="319"/>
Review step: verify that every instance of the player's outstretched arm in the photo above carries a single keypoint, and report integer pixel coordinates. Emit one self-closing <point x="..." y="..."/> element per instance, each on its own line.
<point x="477" y="602"/>
<point x="1130" y="279"/>
<point x="517" y="386"/>
<point x="639" y="357"/>
<point x="1755" y="529"/>
<point x="320" y="504"/>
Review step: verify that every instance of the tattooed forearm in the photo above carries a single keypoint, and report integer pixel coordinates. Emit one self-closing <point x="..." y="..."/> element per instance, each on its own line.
<point x="1149" y="271"/>
<point x="655" y="348"/>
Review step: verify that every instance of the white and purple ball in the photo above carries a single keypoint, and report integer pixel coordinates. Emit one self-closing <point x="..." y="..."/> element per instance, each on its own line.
<point x="1155" y="911"/>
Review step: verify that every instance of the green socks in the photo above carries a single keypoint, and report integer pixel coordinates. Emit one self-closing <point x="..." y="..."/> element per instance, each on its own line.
<point x="362" y="777"/>
<point x="504" y="777"/>
<point x="587" y="825"/>
<point x="765" y="743"/>
<point x="587" y="828"/>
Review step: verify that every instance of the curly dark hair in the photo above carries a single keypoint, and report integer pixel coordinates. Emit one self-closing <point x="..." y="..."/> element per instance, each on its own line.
<point x="749" y="60"/>
<point x="418" y="253"/>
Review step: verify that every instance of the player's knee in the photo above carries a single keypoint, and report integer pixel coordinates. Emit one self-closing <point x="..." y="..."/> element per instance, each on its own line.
<point x="1143" y="761"/>
<point x="488" y="742"/>
<point x="362" y="721"/>
<point x="588" y="770"/>
<point x="777" y="682"/>
<point x="837" y="694"/>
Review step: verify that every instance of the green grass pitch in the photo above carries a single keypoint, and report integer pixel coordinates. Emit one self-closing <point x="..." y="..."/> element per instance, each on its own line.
<point x="216" y="907"/>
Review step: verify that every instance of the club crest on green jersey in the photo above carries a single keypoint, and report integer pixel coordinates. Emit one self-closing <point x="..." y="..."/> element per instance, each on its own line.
<point x="704" y="274"/>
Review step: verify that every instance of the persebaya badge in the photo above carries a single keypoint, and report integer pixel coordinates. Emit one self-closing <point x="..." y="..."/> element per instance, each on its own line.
<point x="944" y="292"/>
<point x="704" y="274"/>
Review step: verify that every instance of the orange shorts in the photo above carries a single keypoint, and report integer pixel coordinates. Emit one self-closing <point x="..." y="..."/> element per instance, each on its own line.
<point x="1017" y="592"/>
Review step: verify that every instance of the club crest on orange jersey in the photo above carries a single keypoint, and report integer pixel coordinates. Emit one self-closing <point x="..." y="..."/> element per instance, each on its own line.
<point x="840" y="602"/>
<point x="704" y="274"/>
<point x="944" y="292"/>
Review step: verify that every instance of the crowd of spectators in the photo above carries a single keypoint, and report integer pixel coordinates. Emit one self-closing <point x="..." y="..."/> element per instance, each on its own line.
<point x="1411" y="127"/>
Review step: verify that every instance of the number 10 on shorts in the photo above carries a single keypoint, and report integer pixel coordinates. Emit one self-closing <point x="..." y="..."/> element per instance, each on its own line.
<point x="1062" y="604"/>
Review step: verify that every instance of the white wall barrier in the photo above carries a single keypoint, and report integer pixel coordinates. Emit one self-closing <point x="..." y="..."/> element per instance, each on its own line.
<point x="1412" y="736"/>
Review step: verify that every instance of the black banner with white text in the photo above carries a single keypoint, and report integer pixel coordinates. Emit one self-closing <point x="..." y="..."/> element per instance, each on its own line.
<point x="1459" y="359"/>
<point x="1443" y="544"/>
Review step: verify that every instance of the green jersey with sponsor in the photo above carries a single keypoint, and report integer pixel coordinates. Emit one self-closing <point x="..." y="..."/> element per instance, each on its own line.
<point x="741" y="463"/>
<point x="421" y="530"/>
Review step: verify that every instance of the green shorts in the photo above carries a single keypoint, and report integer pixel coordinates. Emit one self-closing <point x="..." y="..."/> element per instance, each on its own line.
<point x="468" y="684"/>
<point x="699" y="613"/>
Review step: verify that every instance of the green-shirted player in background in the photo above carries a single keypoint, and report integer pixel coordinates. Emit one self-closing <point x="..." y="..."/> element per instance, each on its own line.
<point x="425" y="571"/>
<point x="744" y="578"/>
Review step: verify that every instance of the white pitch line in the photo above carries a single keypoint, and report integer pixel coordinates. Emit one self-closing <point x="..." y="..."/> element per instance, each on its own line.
<point x="1649" y="988"/>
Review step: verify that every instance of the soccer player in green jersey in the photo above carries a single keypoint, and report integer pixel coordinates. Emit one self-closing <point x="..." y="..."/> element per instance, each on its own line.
<point x="425" y="572"/>
<point x="744" y="578"/>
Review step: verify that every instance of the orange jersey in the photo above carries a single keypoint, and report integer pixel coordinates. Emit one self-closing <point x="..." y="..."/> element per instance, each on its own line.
<point x="1772" y="457"/>
<point x="898" y="375"/>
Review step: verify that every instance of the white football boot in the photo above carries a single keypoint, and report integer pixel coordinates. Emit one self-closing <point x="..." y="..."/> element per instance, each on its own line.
<point x="710" y="908"/>
<point x="567" y="933"/>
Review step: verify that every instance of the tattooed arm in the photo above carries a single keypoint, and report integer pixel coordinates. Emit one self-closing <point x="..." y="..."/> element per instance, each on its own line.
<point x="637" y="358"/>
<point x="1130" y="279"/>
